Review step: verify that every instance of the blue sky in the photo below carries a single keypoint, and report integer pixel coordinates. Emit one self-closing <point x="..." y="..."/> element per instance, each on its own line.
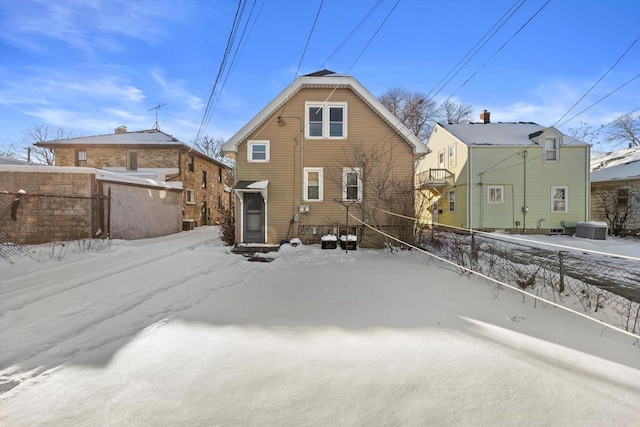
<point x="90" y="66"/>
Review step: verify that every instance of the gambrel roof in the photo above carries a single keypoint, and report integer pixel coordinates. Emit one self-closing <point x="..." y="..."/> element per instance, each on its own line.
<point x="501" y="133"/>
<point x="331" y="80"/>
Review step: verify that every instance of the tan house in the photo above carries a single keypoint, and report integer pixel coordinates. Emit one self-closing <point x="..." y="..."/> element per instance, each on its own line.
<point x="615" y="190"/>
<point x="323" y="147"/>
<point x="155" y="155"/>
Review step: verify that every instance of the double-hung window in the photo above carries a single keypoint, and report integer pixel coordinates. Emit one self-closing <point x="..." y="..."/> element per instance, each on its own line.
<point x="313" y="187"/>
<point x="551" y="150"/>
<point x="81" y="158"/>
<point x="258" y="151"/>
<point x="352" y="184"/>
<point x="495" y="194"/>
<point x="452" y="156"/>
<point x="328" y="120"/>
<point x="559" y="199"/>
<point x="190" y="197"/>
<point x="622" y="198"/>
<point x="204" y="179"/>
<point x="452" y="200"/>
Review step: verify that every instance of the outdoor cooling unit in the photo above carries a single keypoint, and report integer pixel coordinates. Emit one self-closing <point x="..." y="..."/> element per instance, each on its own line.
<point x="592" y="230"/>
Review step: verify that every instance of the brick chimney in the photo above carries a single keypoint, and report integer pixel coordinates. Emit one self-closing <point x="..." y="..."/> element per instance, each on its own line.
<point x="484" y="117"/>
<point x="123" y="129"/>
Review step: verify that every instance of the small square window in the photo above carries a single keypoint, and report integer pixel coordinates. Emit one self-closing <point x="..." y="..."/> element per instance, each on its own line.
<point x="258" y="151"/>
<point x="495" y="194"/>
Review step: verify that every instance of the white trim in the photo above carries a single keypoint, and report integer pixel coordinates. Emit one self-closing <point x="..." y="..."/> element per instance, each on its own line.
<point x="326" y="122"/>
<point x="451" y="158"/>
<point x="256" y="142"/>
<point x="449" y="200"/>
<point x="495" y="187"/>
<point x="305" y="195"/>
<point x="566" y="198"/>
<point x="555" y="150"/>
<point x="345" y="172"/>
<point x="335" y="81"/>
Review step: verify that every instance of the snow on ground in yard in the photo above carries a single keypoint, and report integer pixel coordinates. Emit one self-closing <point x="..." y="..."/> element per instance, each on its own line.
<point x="178" y="331"/>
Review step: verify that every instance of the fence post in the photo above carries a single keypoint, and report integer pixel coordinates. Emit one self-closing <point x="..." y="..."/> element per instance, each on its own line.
<point x="561" y="257"/>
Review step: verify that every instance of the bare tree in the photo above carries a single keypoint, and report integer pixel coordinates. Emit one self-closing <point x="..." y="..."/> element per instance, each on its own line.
<point x="626" y="129"/>
<point x="212" y="147"/>
<point x="455" y="112"/>
<point x="33" y="135"/>
<point x="413" y="109"/>
<point x="619" y="205"/>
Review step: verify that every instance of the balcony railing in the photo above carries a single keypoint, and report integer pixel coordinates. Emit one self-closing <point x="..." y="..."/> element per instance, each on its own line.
<point x="435" y="178"/>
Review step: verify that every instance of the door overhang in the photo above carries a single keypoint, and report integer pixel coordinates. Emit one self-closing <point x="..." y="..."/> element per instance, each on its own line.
<point x="252" y="187"/>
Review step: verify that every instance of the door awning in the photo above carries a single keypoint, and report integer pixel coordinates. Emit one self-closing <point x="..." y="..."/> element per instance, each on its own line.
<point x="252" y="187"/>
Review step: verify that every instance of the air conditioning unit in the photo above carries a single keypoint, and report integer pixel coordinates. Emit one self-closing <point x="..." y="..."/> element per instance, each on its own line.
<point x="595" y="230"/>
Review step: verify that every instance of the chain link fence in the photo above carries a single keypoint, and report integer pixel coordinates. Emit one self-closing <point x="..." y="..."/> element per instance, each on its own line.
<point x="46" y="226"/>
<point x="554" y="275"/>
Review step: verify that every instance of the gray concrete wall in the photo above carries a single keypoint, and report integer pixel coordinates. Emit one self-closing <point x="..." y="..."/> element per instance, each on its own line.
<point x="140" y="212"/>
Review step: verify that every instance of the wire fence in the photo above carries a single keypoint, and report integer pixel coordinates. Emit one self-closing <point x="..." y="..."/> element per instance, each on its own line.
<point x="553" y="275"/>
<point x="46" y="226"/>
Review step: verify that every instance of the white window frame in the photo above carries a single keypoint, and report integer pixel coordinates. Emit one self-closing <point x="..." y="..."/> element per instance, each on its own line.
<point x="451" y="150"/>
<point x="81" y="158"/>
<point x="626" y="192"/>
<point x="326" y="123"/>
<point x="190" y="197"/>
<point x="345" y="172"/>
<point x="555" y="150"/>
<point x="451" y="200"/>
<point x="320" y="172"/>
<point x="565" y="199"/>
<point x="256" y="142"/>
<point x="441" y="154"/>
<point x="492" y="201"/>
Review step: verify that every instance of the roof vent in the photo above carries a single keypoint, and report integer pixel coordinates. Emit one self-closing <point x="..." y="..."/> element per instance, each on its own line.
<point x="121" y="129"/>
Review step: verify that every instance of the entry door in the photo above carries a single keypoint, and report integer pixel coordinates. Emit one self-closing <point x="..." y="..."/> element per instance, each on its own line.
<point x="253" y="218"/>
<point x="203" y="214"/>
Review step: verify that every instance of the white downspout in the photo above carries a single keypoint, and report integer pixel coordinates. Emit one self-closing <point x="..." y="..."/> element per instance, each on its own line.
<point x="587" y="199"/>
<point x="470" y="201"/>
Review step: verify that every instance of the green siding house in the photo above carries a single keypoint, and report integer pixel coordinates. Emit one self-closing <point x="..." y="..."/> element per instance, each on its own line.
<point x="516" y="177"/>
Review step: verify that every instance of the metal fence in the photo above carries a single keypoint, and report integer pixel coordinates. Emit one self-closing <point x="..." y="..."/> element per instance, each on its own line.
<point x="553" y="275"/>
<point x="46" y="226"/>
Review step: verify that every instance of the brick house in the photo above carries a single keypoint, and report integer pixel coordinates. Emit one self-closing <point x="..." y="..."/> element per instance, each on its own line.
<point x="155" y="155"/>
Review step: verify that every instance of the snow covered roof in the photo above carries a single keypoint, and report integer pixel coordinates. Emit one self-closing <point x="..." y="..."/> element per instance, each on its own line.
<point x="616" y="165"/>
<point x="12" y="161"/>
<point x="501" y="133"/>
<point x="326" y="79"/>
<point x="100" y="174"/>
<point x="143" y="137"/>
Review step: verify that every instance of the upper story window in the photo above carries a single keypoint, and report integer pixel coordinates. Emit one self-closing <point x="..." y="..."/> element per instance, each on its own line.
<point x="219" y="174"/>
<point x="258" y="151"/>
<point x="132" y="160"/>
<point x="441" y="159"/>
<point x="81" y="158"/>
<point x="204" y="179"/>
<point x="352" y="184"/>
<point x="452" y="156"/>
<point x="192" y="162"/>
<point x="328" y="120"/>
<point x="559" y="199"/>
<point x="313" y="187"/>
<point x="551" y="150"/>
<point x="495" y="194"/>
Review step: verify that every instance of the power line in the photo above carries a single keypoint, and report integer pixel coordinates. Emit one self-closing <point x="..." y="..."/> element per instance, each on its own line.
<point x="315" y="21"/>
<point x="595" y="84"/>
<point x="498" y="51"/>
<point x="485" y="36"/>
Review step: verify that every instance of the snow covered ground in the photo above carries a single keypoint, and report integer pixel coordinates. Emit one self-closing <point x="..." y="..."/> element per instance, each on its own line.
<point x="178" y="331"/>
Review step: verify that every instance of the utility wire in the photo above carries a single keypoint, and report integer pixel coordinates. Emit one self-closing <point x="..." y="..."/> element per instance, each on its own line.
<point x="486" y="39"/>
<point x="497" y="51"/>
<point x="315" y="21"/>
<point x="595" y="84"/>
